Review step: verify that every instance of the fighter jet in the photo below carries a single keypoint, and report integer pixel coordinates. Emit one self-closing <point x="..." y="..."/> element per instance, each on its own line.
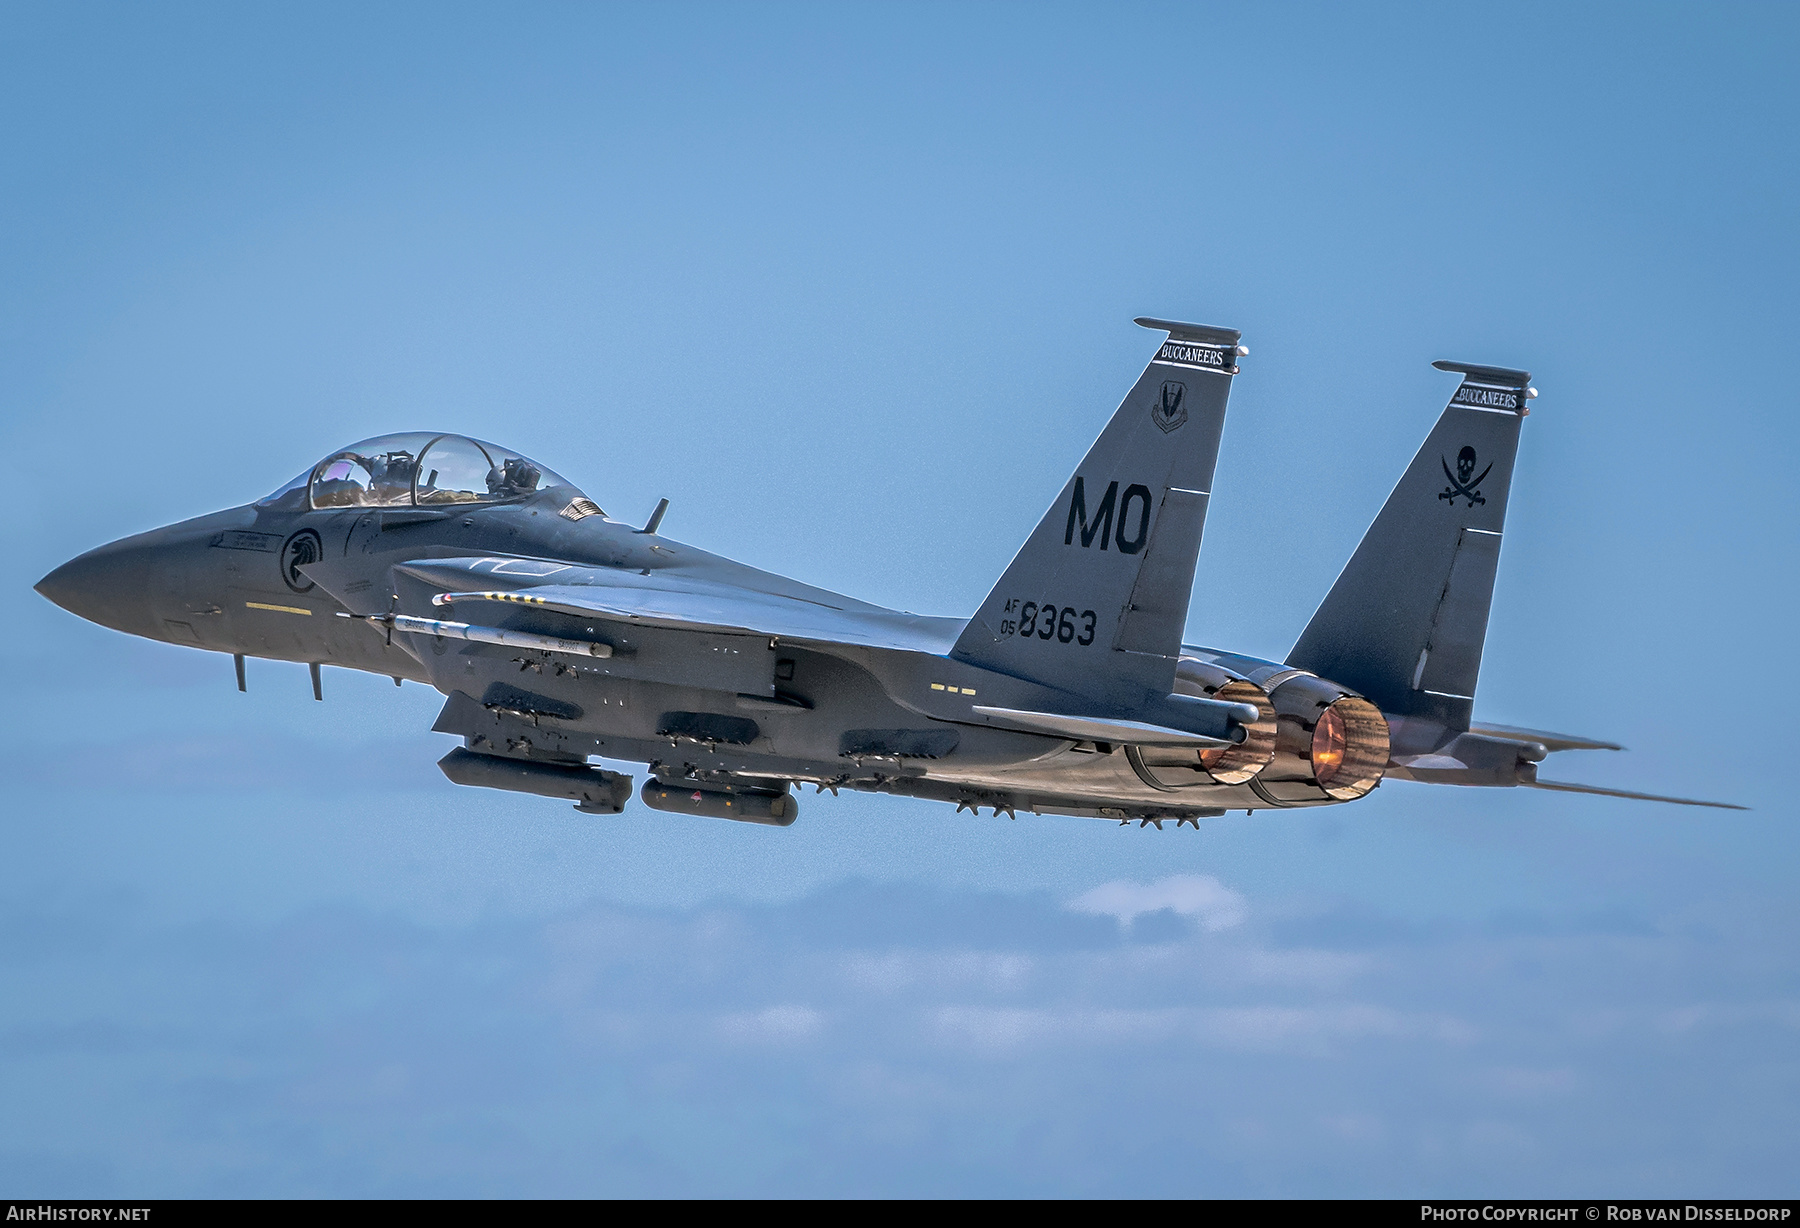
<point x="559" y="634"/>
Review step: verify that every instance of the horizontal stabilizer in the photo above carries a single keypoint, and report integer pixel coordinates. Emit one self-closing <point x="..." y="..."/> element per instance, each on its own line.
<point x="1549" y="741"/>
<point x="1095" y="729"/>
<point x="1561" y="787"/>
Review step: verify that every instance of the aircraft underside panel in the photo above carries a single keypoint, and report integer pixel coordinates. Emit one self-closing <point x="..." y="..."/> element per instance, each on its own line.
<point x="680" y="735"/>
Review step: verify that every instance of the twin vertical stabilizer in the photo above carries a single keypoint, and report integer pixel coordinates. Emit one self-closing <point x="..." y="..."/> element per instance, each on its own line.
<point x="1095" y="601"/>
<point x="1405" y="622"/>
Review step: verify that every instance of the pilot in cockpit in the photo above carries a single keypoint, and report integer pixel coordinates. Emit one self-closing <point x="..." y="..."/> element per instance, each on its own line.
<point x="419" y="470"/>
<point x="352" y="479"/>
<point x="513" y="477"/>
<point x="391" y="477"/>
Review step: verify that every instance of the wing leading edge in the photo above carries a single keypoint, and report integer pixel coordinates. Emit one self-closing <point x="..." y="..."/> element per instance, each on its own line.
<point x="665" y="599"/>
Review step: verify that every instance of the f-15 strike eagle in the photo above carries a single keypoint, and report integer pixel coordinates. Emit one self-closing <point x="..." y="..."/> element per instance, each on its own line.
<point x="559" y="634"/>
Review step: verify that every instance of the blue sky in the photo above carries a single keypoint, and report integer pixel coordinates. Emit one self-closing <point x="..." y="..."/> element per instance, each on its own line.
<point x="852" y="286"/>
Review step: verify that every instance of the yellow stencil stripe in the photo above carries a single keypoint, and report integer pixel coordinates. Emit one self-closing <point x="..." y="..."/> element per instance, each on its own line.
<point x="279" y="609"/>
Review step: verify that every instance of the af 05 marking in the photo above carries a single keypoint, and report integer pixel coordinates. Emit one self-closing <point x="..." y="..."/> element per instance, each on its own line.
<point x="1101" y="526"/>
<point x="1049" y="622"/>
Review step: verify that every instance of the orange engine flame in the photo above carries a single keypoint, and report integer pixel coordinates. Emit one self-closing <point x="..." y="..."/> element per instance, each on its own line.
<point x="1328" y="745"/>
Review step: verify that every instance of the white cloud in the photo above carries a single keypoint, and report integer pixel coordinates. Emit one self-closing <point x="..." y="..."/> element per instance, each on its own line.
<point x="1261" y="1029"/>
<point x="1283" y="1029"/>
<point x="901" y="1052"/>
<point x="985" y="1027"/>
<point x="1356" y="1127"/>
<point x="895" y="971"/>
<point x="1304" y="967"/>
<point x="1525" y="1083"/>
<point x="781" y="1024"/>
<point x="1199" y="896"/>
<point x="1716" y="1014"/>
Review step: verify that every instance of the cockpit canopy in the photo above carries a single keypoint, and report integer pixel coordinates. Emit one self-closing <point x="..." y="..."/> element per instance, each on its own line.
<point x="419" y="469"/>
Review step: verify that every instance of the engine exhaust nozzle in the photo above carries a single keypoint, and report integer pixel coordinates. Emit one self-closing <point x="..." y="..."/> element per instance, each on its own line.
<point x="1331" y="744"/>
<point x="1167" y="769"/>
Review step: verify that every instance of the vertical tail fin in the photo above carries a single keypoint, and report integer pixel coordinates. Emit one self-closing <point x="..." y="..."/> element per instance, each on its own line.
<point x="1405" y="622"/>
<point x="1096" y="599"/>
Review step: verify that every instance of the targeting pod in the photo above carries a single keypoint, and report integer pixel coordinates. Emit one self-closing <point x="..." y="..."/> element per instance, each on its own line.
<point x="1168" y="768"/>
<point x="1330" y="745"/>
<point x="593" y="790"/>
<point x="772" y="807"/>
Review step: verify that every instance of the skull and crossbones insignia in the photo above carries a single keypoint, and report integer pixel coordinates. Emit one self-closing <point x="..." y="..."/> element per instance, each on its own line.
<point x="1459" y="481"/>
<point x="1169" y="411"/>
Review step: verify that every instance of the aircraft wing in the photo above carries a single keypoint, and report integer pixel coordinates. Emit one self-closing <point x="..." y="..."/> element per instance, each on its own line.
<point x="673" y="600"/>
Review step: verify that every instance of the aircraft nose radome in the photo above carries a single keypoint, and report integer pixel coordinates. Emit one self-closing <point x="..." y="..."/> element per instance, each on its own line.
<point x="109" y="586"/>
<point x="63" y="585"/>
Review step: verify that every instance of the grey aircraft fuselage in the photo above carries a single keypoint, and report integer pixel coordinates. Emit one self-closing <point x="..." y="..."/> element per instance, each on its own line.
<point x="558" y="634"/>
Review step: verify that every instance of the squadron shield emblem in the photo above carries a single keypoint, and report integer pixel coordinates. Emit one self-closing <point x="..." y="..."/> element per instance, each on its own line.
<point x="302" y="548"/>
<point x="1460" y="485"/>
<point x="1170" y="409"/>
